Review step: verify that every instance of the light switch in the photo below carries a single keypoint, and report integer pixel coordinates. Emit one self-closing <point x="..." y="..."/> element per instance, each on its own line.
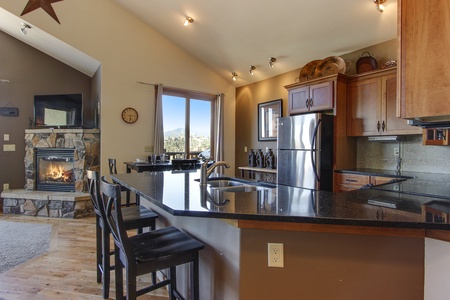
<point x="9" y="147"/>
<point x="6" y="137"/>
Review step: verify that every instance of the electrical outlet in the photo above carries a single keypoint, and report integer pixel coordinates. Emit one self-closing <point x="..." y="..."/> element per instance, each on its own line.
<point x="396" y="152"/>
<point x="148" y="149"/>
<point x="245" y="149"/>
<point x="275" y="255"/>
<point x="6" y="137"/>
<point x="6" y="186"/>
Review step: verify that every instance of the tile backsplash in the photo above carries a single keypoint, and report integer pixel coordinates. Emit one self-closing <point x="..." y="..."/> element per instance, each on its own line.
<point x="415" y="157"/>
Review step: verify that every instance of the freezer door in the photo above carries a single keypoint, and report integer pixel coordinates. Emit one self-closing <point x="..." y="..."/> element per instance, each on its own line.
<point x="295" y="168"/>
<point x="297" y="132"/>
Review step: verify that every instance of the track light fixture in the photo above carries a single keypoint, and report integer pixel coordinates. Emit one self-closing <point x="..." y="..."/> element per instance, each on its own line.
<point x="271" y="61"/>
<point x="24" y="28"/>
<point x="379" y="4"/>
<point x="188" y="21"/>
<point x="252" y="68"/>
<point x="234" y="76"/>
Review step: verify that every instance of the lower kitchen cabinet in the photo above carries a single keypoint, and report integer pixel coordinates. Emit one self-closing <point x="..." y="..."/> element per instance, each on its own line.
<point x="345" y="182"/>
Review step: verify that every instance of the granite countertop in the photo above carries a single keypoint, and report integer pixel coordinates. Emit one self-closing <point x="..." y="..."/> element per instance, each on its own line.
<point x="179" y="193"/>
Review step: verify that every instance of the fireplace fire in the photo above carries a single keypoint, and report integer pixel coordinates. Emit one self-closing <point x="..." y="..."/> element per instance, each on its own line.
<point x="55" y="169"/>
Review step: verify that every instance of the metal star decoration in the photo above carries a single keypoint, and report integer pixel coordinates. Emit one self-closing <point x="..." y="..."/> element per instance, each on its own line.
<point x="44" y="4"/>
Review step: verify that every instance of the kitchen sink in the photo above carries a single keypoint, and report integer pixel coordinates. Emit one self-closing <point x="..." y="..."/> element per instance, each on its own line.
<point x="237" y="185"/>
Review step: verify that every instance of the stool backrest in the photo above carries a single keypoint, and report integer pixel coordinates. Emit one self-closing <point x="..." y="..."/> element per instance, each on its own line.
<point x="93" y="178"/>
<point x="111" y="198"/>
<point x="112" y="166"/>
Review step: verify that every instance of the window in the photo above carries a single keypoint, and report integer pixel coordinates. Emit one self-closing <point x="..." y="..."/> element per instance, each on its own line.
<point x="188" y="122"/>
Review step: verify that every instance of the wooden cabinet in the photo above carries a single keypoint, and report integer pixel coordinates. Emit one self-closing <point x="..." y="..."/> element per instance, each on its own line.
<point x="345" y="182"/>
<point x="424" y="62"/>
<point x="371" y="108"/>
<point x="313" y="95"/>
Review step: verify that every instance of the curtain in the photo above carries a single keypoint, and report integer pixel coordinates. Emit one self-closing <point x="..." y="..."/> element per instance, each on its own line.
<point x="218" y="131"/>
<point x="158" y="144"/>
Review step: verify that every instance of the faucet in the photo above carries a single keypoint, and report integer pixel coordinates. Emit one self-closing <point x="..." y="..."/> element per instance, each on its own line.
<point x="205" y="172"/>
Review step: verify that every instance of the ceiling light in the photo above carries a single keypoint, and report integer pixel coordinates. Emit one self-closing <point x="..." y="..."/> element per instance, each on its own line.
<point x="4" y="80"/>
<point x="188" y="21"/>
<point x="379" y="4"/>
<point x="252" y="68"/>
<point x="271" y="61"/>
<point x="24" y="28"/>
<point x="234" y="76"/>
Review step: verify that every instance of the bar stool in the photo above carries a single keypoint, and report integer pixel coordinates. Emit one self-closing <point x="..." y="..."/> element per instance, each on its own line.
<point x="148" y="252"/>
<point x="136" y="217"/>
<point x="113" y="170"/>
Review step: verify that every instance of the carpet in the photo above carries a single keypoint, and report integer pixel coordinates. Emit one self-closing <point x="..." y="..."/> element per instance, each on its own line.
<point x="20" y="242"/>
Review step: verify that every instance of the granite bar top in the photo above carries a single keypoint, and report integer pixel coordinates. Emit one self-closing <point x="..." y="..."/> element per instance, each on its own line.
<point x="179" y="193"/>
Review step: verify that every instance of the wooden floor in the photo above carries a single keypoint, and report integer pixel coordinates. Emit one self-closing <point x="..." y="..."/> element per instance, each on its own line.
<point x="66" y="271"/>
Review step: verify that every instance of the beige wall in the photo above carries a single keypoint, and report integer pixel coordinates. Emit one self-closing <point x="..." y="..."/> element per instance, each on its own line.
<point x="129" y="51"/>
<point x="30" y="73"/>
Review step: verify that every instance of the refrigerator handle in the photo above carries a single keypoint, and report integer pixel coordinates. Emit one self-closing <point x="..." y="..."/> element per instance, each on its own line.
<point x="313" y="150"/>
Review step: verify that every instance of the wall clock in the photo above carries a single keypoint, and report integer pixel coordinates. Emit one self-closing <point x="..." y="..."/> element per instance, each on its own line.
<point x="130" y="115"/>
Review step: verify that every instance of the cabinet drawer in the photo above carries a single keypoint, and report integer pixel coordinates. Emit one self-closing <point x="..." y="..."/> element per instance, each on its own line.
<point x="352" y="179"/>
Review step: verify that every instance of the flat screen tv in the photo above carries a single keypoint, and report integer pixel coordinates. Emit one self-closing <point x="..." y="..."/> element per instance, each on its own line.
<point x="65" y="110"/>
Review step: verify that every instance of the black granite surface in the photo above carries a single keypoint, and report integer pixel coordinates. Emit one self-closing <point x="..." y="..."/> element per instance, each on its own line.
<point x="179" y="193"/>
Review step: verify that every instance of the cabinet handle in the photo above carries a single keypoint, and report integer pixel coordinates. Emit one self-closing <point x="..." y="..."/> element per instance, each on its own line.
<point x="351" y="180"/>
<point x="378" y="126"/>
<point x="311" y="102"/>
<point x="383" y="126"/>
<point x="307" y="102"/>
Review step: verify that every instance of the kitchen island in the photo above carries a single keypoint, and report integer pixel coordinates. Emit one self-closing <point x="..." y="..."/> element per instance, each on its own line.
<point x="336" y="246"/>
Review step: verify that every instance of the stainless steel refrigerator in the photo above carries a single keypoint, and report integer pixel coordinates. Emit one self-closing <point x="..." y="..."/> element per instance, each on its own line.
<point x="305" y="151"/>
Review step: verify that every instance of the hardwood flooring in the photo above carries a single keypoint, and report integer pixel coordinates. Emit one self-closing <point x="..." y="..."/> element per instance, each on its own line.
<point x="66" y="271"/>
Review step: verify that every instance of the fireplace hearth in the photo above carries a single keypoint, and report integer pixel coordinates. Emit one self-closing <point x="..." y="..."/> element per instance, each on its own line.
<point x="55" y="169"/>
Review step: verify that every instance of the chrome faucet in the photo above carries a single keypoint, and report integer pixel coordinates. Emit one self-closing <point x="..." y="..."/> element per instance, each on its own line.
<point x="205" y="172"/>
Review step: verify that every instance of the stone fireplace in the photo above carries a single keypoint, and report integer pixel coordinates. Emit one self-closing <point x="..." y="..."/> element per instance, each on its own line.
<point x="55" y="165"/>
<point x="84" y="143"/>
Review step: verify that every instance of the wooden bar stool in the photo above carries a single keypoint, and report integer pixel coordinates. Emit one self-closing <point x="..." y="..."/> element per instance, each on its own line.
<point x="135" y="217"/>
<point x="148" y="252"/>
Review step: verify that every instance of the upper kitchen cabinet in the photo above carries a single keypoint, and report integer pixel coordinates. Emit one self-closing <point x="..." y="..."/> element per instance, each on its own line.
<point x="314" y="95"/>
<point x="371" y="108"/>
<point x="424" y="43"/>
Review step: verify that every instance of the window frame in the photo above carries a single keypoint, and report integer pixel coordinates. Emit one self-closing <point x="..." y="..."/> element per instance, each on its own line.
<point x="189" y="95"/>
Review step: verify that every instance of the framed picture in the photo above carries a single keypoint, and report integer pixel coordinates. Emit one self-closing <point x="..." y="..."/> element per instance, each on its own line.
<point x="268" y="112"/>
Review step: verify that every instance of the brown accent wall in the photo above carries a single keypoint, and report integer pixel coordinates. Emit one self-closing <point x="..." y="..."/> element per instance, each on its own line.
<point x="332" y="266"/>
<point x="30" y="72"/>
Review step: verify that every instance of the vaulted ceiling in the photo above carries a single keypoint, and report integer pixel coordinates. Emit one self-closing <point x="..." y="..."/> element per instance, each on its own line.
<point x="230" y="36"/>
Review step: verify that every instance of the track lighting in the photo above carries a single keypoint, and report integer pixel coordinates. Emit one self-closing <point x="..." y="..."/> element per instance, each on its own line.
<point x="252" y="68"/>
<point x="379" y="4"/>
<point x="188" y="21"/>
<point x="234" y="76"/>
<point x="24" y="28"/>
<point x="271" y="61"/>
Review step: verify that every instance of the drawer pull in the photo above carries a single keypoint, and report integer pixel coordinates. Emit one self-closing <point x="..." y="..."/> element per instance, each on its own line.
<point x="351" y="180"/>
